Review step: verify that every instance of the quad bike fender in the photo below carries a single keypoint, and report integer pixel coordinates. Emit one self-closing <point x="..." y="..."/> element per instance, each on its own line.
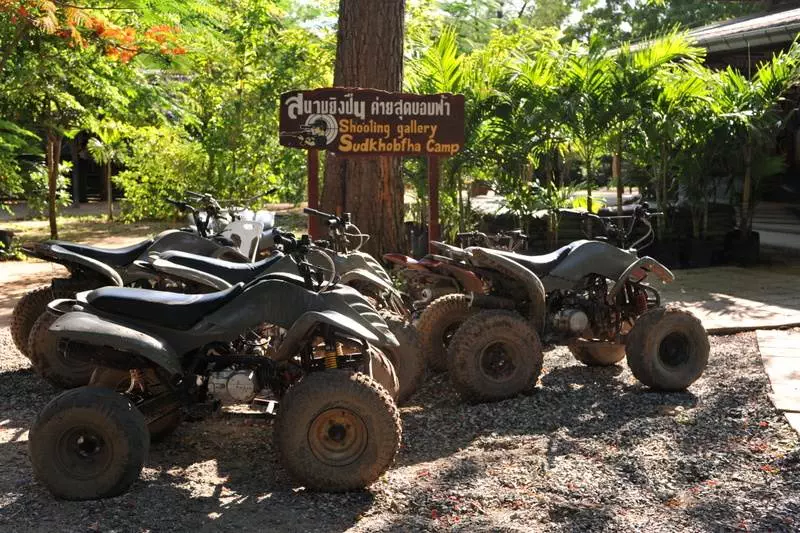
<point x="57" y="254"/>
<point x="509" y="267"/>
<point x="307" y="322"/>
<point x="468" y="280"/>
<point x="453" y="251"/>
<point x="364" y="276"/>
<point x="638" y="271"/>
<point x="87" y="328"/>
<point x="174" y="270"/>
<point x="361" y="276"/>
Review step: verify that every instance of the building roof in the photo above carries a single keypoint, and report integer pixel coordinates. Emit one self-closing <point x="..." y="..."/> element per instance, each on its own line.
<point x="775" y="29"/>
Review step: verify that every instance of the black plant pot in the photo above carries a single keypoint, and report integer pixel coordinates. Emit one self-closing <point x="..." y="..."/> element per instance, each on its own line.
<point x="666" y="252"/>
<point x="6" y="237"/>
<point x="743" y="251"/>
<point x="697" y="253"/>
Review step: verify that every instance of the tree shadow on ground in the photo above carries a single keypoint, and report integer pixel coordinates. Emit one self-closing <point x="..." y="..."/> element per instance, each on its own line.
<point x="588" y="401"/>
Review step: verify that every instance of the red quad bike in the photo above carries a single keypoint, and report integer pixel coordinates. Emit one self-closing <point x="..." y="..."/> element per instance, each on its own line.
<point x="589" y="295"/>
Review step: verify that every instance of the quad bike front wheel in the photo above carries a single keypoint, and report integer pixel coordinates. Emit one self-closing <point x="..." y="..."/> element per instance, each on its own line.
<point x="408" y="359"/>
<point x="49" y="362"/>
<point x="495" y="355"/>
<point x="88" y="443"/>
<point x="337" y="431"/>
<point x="437" y="325"/>
<point x="667" y="349"/>
<point x="169" y="416"/>
<point x="31" y="306"/>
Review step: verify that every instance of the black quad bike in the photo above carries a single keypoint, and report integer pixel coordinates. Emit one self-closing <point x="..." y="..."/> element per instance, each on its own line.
<point x="91" y="267"/>
<point x="589" y="295"/>
<point x="162" y="354"/>
<point x="407" y="358"/>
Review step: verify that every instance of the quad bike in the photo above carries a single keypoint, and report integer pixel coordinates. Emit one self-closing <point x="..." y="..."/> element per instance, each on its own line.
<point x="161" y="354"/>
<point x="589" y="295"/>
<point x="352" y="268"/>
<point x="92" y="267"/>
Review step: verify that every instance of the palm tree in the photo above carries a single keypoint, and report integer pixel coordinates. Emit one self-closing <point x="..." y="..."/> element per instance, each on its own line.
<point x="588" y="102"/>
<point x="751" y="109"/>
<point x="106" y="148"/>
<point x="632" y="87"/>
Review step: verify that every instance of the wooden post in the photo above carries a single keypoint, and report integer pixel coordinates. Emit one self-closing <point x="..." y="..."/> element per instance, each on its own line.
<point x="313" y="192"/>
<point x="434" y="230"/>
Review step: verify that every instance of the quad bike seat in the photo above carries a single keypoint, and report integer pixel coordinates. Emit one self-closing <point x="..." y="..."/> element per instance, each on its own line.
<point x="541" y="265"/>
<point x="169" y="309"/>
<point x="116" y="257"/>
<point x="229" y="271"/>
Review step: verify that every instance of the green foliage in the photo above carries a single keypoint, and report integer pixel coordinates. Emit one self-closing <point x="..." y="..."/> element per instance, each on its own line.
<point x="163" y="162"/>
<point x="34" y="188"/>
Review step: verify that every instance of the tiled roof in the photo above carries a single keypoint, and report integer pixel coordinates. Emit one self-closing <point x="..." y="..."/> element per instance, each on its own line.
<point x="755" y="30"/>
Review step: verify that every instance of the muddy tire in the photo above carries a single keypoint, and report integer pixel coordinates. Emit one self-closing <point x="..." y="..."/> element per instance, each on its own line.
<point x="601" y="354"/>
<point x="88" y="443"/>
<point x="120" y="380"/>
<point x="495" y="355"/>
<point x="31" y="306"/>
<point x="337" y="431"/>
<point x="383" y="371"/>
<point x="437" y="325"/>
<point x="408" y="359"/>
<point x="49" y="362"/>
<point x="667" y="349"/>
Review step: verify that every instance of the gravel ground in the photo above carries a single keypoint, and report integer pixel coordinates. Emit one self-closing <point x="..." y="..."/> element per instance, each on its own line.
<point x="590" y="450"/>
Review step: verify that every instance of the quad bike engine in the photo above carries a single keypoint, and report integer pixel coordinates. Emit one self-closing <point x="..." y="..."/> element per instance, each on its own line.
<point x="573" y="321"/>
<point x="234" y="386"/>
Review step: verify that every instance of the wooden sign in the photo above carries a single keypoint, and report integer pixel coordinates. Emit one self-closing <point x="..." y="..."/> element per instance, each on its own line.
<point x="369" y="122"/>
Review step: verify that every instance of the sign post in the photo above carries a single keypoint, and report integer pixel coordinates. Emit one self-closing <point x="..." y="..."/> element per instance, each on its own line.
<point x="351" y="122"/>
<point x="313" y="191"/>
<point x="434" y="229"/>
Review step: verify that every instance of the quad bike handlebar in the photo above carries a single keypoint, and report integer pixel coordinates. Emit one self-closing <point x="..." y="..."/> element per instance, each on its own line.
<point x="614" y="228"/>
<point x="340" y="230"/>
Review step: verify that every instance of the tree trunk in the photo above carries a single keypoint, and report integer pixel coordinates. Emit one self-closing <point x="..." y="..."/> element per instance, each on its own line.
<point x="76" y="186"/>
<point x="110" y="193"/>
<point x="747" y="186"/>
<point x="53" y="160"/>
<point x="616" y="178"/>
<point x="369" y="54"/>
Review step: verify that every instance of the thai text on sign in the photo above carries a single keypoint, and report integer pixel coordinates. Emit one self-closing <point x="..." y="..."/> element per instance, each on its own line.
<point x="372" y="122"/>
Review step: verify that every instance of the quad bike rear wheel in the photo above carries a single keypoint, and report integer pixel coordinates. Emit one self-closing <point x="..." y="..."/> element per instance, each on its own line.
<point x="337" y="431"/>
<point x="667" y="349"/>
<point x="408" y="359"/>
<point x="31" y="306"/>
<point x="49" y="362"/>
<point x="88" y="443"/>
<point x="437" y="325"/>
<point x="495" y="355"/>
<point x="383" y="371"/>
<point x="599" y="354"/>
<point x="170" y="415"/>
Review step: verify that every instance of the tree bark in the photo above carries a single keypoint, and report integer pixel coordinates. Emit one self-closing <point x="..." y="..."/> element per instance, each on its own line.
<point x="369" y="54"/>
<point x="53" y="160"/>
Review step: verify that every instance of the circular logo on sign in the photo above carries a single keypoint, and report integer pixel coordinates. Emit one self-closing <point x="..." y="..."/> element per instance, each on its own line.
<point x="322" y="129"/>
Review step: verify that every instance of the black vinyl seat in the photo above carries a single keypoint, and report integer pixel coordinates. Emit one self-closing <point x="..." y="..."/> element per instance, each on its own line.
<point x="227" y="270"/>
<point x="169" y="309"/>
<point x="117" y="257"/>
<point x="541" y="265"/>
